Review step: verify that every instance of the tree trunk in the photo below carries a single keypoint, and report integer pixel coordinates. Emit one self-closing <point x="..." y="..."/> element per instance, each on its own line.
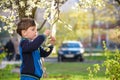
<point x="92" y="27"/>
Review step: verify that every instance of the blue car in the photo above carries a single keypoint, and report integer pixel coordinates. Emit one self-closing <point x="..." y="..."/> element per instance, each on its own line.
<point x="71" y="49"/>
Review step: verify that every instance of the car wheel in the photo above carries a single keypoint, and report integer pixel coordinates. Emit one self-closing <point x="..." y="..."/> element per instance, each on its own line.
<point x="60" y="58"/>
<point x="80" y="58"/>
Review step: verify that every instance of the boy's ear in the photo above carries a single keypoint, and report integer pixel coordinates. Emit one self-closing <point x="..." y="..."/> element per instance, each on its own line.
<point x="23" y="32"/>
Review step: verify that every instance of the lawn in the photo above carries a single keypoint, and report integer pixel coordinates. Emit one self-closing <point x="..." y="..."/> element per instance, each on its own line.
<point x="60" y="71"/>
<point x="70" y="71"/>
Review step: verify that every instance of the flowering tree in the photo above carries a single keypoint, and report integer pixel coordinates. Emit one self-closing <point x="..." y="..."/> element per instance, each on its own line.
<point x="17" y="9"/>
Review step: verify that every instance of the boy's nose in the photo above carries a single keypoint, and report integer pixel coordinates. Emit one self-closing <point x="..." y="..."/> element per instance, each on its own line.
<point x="36" y="31"/>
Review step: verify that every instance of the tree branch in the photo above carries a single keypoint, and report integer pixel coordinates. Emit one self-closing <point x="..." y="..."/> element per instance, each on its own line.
<point x="118" y="1"/>
<point x="43" y="23"/>
<point x="58" y="11"/>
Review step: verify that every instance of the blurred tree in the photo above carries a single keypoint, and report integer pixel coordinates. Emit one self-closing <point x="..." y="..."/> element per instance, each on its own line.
<point x="94" y="13"/>
<point x="106" y="12"/>
<point x="113" y="8"/>
<point x="93" y="5"/>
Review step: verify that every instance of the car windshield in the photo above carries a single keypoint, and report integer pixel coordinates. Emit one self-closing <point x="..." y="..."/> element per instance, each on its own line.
<point x="70" y="45"/>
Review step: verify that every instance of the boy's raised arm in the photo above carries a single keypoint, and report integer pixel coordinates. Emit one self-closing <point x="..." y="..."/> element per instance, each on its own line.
<point x="29" y="46"/>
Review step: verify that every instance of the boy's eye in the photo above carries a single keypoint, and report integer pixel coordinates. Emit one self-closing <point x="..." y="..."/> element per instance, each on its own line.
<point x="33" y="29"/>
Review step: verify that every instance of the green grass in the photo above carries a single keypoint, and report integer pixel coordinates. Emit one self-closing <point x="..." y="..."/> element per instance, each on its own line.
<point x="70" y="71"/>
<point x="95" y="58"/>
<point x="6" y="73"/>
<point x="61" y="71"/>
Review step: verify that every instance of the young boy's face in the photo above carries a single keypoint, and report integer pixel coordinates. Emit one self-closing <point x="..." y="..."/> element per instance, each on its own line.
<point x="30" y="33"/>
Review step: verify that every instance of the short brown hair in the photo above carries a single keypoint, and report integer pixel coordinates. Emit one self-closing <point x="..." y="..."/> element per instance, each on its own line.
<point x="24" y="24"/>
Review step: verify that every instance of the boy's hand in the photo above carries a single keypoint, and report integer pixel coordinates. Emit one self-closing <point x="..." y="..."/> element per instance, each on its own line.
<point x="52" y="40"/>
<point x="47" y="32"/>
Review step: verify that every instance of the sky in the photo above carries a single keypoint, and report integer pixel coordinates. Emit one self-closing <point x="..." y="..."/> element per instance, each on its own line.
<point x="68" y="5"/>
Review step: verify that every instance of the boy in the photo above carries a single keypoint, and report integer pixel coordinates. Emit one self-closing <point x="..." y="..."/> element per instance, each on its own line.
<point x="31" y="50"/>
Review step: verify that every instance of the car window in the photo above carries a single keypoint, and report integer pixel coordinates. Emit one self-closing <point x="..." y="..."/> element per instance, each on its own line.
<point x="70" y="45"/>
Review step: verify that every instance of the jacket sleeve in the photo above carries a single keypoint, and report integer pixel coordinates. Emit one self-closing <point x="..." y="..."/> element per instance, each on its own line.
<point x="29" y="46"/>
<point x="45" y="53"/>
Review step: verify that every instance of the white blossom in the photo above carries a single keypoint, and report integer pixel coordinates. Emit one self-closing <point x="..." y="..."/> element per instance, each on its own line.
<point x="5" y="27"/>
<point x="10" y="31"/>
<point x="22" y="4"/>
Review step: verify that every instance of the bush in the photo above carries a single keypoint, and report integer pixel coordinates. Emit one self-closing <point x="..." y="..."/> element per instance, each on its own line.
<point x="2" y="55"/>
<point x="111" y="64"/>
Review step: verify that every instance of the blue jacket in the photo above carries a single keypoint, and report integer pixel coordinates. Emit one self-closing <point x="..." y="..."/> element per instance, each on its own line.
<point x="30" y="53"/>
